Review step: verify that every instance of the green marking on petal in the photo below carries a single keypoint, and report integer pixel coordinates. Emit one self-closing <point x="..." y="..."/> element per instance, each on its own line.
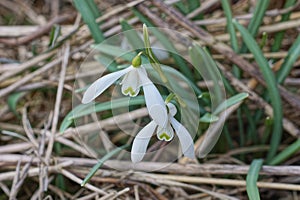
<point x="129" y="91"/>
<point x="164" y="136"/>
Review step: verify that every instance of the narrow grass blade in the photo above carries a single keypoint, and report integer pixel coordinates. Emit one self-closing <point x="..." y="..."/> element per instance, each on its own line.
<point x="182" y="7"/>
<point x="230" y="26"/>
<point x="88" y="16"/>
<point x="271" y="86"/>
<point x="54" y="34"/>
<point x="256" y="20"/>
<point x="251" y="180"/>
<point x="229" y="102"/>
<point x="114" y="104"/>
<point x="12" y="101"/>
<point x="268" y="128"/>
<point x="14" y="134"/>
<point x="132" y="36"/>
<point x="94" y="8"/>
<point x="180" y="62"/>
<point x="207" y="68"/>
<point x="208" y="118"/>
<point x="291" y="58"/>
<point x="286" y="153"/>
<point x="193" y="5"/>
<point x="205" y="65"/>
<point x="264" y="40"/>
<point x="101" y="162"/>
<point x="236" y="71"/>
<point x="107" y="61"/>
<point x="252" y="130"/>
<point x="115" y="51"/>
<point x="228" y="137"/>
<point x="279" y="35"/>
<point x="86" y="109"/>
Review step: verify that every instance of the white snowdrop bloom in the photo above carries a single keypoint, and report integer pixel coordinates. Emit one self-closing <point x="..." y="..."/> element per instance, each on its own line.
<point x="135" y="76"/>
<point x="165" y="133"/>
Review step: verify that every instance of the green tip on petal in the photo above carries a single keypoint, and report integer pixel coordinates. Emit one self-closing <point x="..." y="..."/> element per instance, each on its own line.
<point x="129" y="91"/>
<point x="137" y="61"/>
<point x="164" y="136"/>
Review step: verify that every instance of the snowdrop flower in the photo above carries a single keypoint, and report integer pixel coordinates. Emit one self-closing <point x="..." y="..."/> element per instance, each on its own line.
<point x="165" y="133"/>
<point x="135" y="76"/>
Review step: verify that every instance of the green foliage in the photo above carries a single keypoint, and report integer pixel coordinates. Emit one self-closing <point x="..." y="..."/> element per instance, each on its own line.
<point x="251" y="179"/>
<point x="271" y="86"/>
<point x="89" y="12"/>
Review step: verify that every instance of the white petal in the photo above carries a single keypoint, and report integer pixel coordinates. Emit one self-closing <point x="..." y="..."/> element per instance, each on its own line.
<point x="185" y="139"/>
<point x="102" y="84"/>
<point x="165" y="133"/>
<point x="155" y="105"/>
<point x="131" y="83"/>
<point x="172" y="109"/>
<point x="141" y="142"/>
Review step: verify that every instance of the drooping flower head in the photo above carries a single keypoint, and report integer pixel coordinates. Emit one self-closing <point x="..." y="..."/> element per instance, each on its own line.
<point x="135" y="77"/>
<point x="164" y="133"/>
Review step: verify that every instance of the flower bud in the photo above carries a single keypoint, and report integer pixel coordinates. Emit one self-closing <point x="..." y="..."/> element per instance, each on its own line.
<point x="137" y="61"/>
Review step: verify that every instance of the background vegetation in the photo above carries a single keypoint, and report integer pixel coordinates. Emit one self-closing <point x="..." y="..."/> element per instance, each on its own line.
<point x="256" y="46"/>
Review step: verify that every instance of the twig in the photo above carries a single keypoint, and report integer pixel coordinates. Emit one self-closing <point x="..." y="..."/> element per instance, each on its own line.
<point x="153" y="179"/>
<point x="29" y="77"/>
<point x="26" y="65"/>
<point x="28" y="128"/>
<point x="4" y="188"/>
<point x="38" y="33"/>
<point x="33" y="171"/>
<point x="136" y="192"/>
<point x="204" y="6"/>
<point x="228" y="182"/>
<point x="191" y="169"/>
<point x="79" y="181"/>
<point x="19" y="179"/>
<point x="57" y="103"/>
<point x="112" y="196"/>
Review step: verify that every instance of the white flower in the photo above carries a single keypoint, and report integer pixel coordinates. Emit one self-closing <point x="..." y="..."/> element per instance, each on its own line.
<point x="166" y="133"/>
<point x="135" y="77"/>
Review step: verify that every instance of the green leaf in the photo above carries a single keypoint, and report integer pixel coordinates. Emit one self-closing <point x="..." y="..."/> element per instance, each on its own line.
<point x="279" y="35"/>
<point x="256" y="20"/>
<point x="107" y="61"/>
<point x="13" y="101"/>
<point x="290" y="59"/>
<point x="286" y="153"/>
<point x="13" y="134"/>
<point x="132" y="36"/>
<point x="251" y="180"/>
<point x="231" y="30"/>
<point x="164" y="40"/>
<point x="86" y="109"/>
<point x="101" y="162"/>
<point x="114" y="51"/>
<point x="206" y="66"/>
<point x="89" y="16"/>
<point x="54" y="34"/>
<point x="182" y="7"/>
<point x="271" y="87"/>
<point x="209" y="118"/>
<point x="229" y="102"/>
<point x="152" y="58"/>
<point x="93" y="8"/>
